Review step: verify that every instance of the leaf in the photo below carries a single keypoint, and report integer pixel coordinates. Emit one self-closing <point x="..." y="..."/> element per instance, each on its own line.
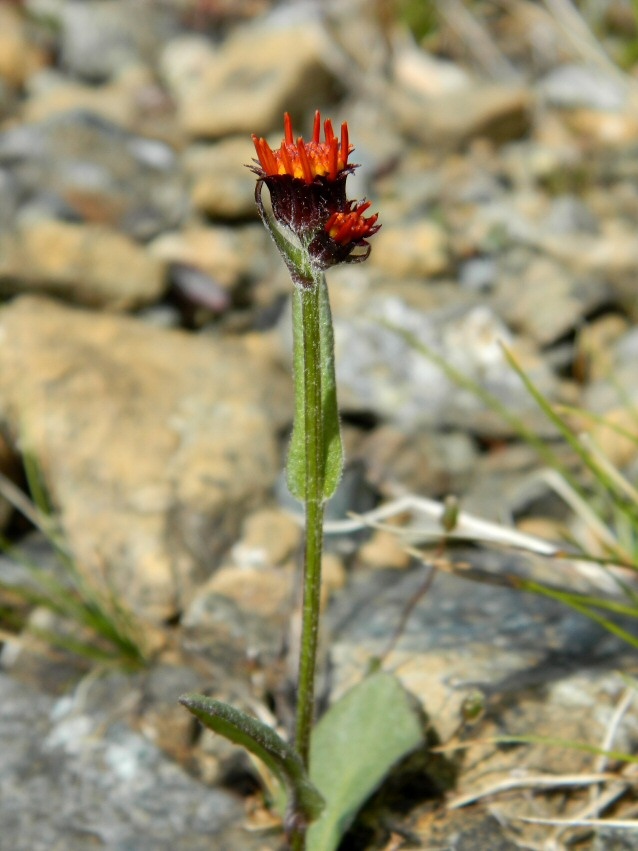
<point x="305" y="803"/>
<point x="353" y="748"/>
<point x="329" y="413"/>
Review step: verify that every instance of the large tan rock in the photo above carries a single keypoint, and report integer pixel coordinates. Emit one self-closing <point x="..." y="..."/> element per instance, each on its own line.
<point x="496" y="112"/>
<point x="417" y="249"/>
<point x="118" y="101"/>
<point x="88" y="264"/>
<point x="18" y="57"/>
<point x="152" y="443"/>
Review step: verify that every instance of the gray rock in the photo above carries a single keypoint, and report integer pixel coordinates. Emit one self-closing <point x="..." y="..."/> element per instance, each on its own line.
<point x="34" y="550"/>
<point x="525" y="662"/>
<point x="610" y="839"/>
<point x="96" y="171"/>
<point x="478" y="274"/>
<point x="544" y="299"/>
<point x="432" y="463"/>
<point x="97" y="39"/>
<point x="494" y="638"/>
<point x="611" y="256"/>
<point x="68" y="782"/>
<point x="583" y="86"/>
<point x="569" y="214"/>
<point x="379" y="371"/>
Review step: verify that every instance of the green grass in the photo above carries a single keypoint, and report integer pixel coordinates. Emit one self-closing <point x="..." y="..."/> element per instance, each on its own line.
<point x="604" y="500"/>
<point x="99" y="627"/>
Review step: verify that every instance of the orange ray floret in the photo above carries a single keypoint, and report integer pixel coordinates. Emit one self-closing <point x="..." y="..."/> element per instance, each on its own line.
<point x="306" y="160"/>
<point x="352" y="225"/>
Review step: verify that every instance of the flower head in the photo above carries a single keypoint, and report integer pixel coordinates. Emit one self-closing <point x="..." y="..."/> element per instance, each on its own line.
<point x="307" y="185"/>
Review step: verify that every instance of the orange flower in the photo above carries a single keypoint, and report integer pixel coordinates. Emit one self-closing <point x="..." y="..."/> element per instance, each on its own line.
<point x="306" y="160"/>
<point x="307" y="185"/>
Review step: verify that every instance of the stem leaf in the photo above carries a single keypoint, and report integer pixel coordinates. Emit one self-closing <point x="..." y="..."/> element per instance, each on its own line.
<point x="305" y="803"/>
<point x="304" y="311"/>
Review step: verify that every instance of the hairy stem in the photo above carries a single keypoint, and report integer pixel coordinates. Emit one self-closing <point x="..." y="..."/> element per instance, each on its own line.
<point x="314" y="499"/>
<point x="313" y="416"/>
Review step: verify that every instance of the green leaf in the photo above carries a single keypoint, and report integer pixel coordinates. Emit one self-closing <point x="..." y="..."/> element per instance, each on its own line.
<point x="305" y="803"/>
<point x="332" y="455"/>
<point x="353" y="748"/>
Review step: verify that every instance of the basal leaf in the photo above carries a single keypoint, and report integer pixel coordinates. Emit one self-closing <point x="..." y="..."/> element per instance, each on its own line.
<point x="353" y="748"/>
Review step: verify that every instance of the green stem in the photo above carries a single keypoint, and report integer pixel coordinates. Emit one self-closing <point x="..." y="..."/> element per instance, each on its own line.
<point x="313" y="417"/>
<point x="314" y="499"/>
<point x="315" y="459"/>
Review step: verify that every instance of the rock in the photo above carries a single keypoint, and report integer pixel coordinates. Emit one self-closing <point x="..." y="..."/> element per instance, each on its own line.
<point x="473" y="830"/>
<point x="333" y="577"/>
<point x="19" y="58"/>
<point x="9" y="199"/>
<point x="594" y="354"/>
<point x="243" y="611"/>
<point x="416" y="250"/>
<point x="616" y="385"/>
<point x="241" y="614"/>
<point x="485" y="661"/>
<point x="247" y="84"/>
<point x="425" y="462"/>
<point x="230" y="256"/>
<point x="570" y="86"/>
<point x="6" y="101"/>
<point x="120" y="102"/>
<point x="68" y="778"/>
<point x="384" y="550"/>
<point x="98" y="39"/>
<point x="612" y="257"/>
<point x="616" y="436"/>
<point x="80" y="166"/>
<point x="222" y="186"/>
<point x="604" y="129"/>
<point x="463" y="635"/>
<point x="90" y="265"/>
<point x="569" y="214"/>
<point x="545" y="300"/>
<point x="270" y="537"/>
<point x="425" y="74"/>
<point x="496" y="112"/>
<point x="381" y="372"/>
<point x="478" y="274"/>
<point x="152" y="443"/>
<point x="197" y="298"/>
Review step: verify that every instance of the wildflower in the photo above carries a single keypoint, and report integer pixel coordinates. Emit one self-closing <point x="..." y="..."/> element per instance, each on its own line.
<point x="307" y="185"/>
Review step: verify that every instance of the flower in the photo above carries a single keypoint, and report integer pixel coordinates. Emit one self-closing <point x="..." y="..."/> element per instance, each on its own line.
<point x="307" y="185"/>
<point x="306" y="160"/>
